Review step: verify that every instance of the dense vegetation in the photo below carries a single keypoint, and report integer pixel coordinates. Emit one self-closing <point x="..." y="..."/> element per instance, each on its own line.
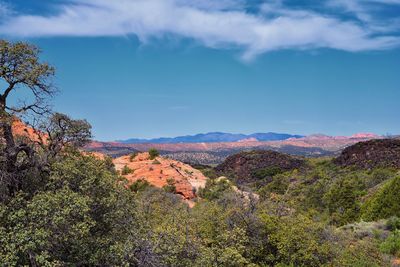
<point x="62" y="207"/>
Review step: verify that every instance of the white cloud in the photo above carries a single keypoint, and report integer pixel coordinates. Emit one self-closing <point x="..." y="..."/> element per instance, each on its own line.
<point x="219" y="24"/>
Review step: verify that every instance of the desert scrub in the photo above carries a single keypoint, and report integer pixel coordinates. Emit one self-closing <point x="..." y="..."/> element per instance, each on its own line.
<point x="170" y="186"/>
<point x="132" y="156"/>
<point x="139" y="185"/>
<point x="392" y="244"/>
<point x="153" y="153"/>
<point x="126" y="170"/>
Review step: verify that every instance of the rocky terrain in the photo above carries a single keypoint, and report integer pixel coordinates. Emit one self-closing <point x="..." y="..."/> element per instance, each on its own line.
<point x="20" y="129"/>
<point x="371" y="154"/>
<point x="161" y="172"/>
<point x="247" y="167"/>
<point x="215" y="153"/>
<point x="218" y="156"/>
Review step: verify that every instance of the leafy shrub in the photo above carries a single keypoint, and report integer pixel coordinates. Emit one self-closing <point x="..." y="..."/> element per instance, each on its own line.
<point x="343" y="199"/>
<point x="139" y="185"/>
<point x="363" y="253"/>
<point x="126" y="170"/>
<point x="384" y="203"/>
<point x="378" y="176"/>
<point x="215" y="188"/>
<point x="393" y="223"/>
<point x="298" y="241"/>
<point x="278" y="185"/>
<point x="76" y="219"/>
<point x="267" y="172"/>
<point x="153" y="153"/>
<point x="392" y="244"/>
<point x="209" y="172"/>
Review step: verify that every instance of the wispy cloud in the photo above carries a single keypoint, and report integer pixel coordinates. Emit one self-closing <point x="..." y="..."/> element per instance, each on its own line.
<point x="4" y="10"/>
<point x="218" y="24"/>
<point x="368" y="11"/>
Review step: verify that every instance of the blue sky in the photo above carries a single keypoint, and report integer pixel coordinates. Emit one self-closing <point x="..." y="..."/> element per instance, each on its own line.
<point x="150" y="68"/>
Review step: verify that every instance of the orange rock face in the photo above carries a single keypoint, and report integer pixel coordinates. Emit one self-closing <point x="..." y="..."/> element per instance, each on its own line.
<point x="21" y="129"/>
<point x="158" y="171"/>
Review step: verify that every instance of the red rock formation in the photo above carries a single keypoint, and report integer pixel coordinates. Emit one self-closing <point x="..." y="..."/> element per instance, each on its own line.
<point x="187" y="180"/>
<point x="21" y="129"/>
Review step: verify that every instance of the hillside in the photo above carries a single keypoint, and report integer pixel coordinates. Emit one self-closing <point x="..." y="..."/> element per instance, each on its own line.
<point x="216" y="152"/>
<point x="161" y="172"/>
<point x="371" y="154"/>
<point x="253" y="166"/>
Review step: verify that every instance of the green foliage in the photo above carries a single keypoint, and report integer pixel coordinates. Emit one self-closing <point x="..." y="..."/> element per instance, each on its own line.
<point x="384" y="203"/>
<point x="392" y="244"/>
<point x="360" y="254"/>
<point x="139" y="185"/>
<point x="76" y="218"/>
<point x="126" y="170"/>
<point x="342" y="199"/>
<point x="215" y="188"/>
<point x="267" y="172"/>
<point x="170" y="186"/>
<point x="74" y="210"/>
<point x="153" y="153"/>
<point x="278" y="185"/>
<point x="393" y="223"/>
<point x="298" y="241"/>
<point x="378" y="176"/>
<point x="223" y="237"/>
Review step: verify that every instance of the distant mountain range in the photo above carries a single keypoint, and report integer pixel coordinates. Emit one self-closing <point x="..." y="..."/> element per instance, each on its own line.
<point x="213" y="137"/>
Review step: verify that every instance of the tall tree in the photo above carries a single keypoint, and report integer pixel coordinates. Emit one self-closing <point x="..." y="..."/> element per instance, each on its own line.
<point x="28" y="82"/>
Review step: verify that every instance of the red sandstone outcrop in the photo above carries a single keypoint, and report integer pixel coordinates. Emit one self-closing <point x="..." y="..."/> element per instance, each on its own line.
<point x="158" y="171"/>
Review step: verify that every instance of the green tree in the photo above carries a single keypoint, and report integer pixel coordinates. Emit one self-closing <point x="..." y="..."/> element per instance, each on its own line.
<point x="343" y="200"/>
<point x="83" y="216"/>
<point x="22" y="74"/>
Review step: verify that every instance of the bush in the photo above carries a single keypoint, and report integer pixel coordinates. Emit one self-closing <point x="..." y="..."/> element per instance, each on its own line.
<point x="267" y="172"/>
<point x="215" y="188"/>
<point x="139" y="185"/>
<point x="393" y="223"/>
<point x="126" y="170"/>
<point x="392" y="244"/>
<point x="298" y="241"/>
<point x="363" y="253"/>
<point x="83" y="216"/>
<point x="170" y="186"/>
<point x="384" y="203"/>
<point x="153" y="153"/>
<point x="343" y="200"/>
<point x="278" y="185"/>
